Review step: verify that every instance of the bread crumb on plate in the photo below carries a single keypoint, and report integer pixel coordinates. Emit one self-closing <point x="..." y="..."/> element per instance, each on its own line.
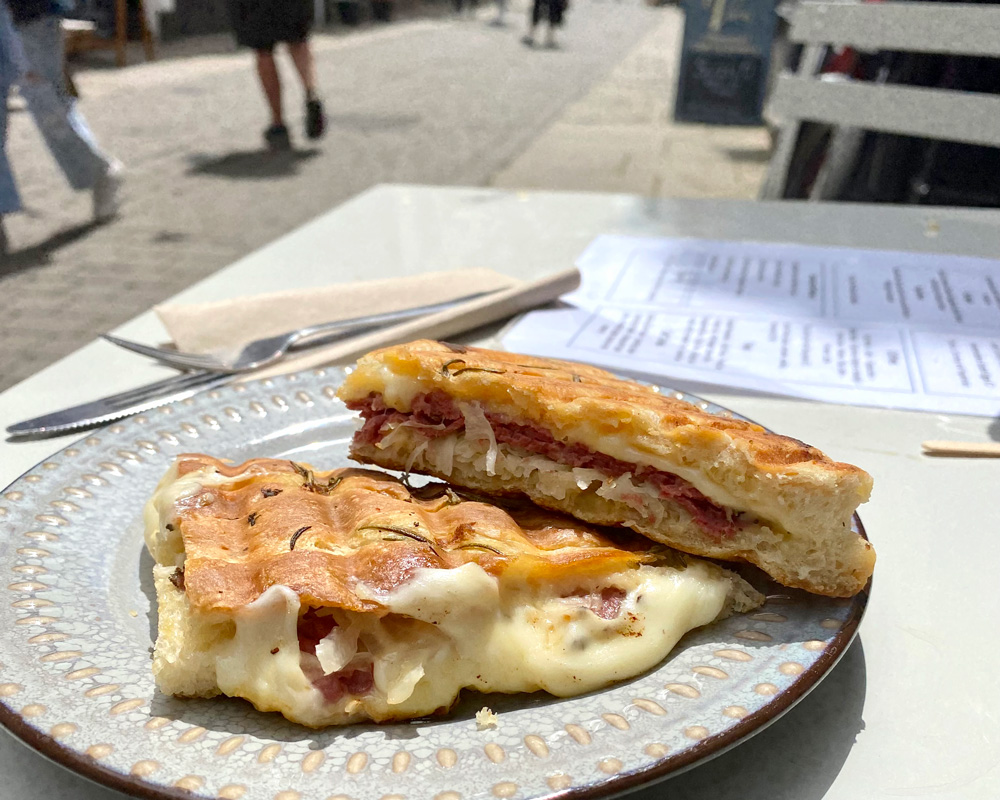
<point x="485" y="718"/>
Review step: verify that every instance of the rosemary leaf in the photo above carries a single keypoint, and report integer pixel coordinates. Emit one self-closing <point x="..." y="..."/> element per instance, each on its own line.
<point x="402" y="532"/>
<point x="447" y="364"/>
<point x="479" y="546"/>
<point x="477" y="369"/>
<point x="296" y="535"/>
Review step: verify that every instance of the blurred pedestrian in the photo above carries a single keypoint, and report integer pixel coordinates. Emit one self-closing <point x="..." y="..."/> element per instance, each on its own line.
<point x="31" y="55"/>
<point x="11" y="65"/>
<point x="498" y="20"/>
<point x="553" y="11"/>
<point x="262" y="24"/>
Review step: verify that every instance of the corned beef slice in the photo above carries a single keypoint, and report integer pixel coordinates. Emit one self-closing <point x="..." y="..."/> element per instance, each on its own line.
<point x="435" y="414"/>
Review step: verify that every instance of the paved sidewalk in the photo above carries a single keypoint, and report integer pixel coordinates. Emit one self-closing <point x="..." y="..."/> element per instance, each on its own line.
<point x="621" y="137"/>
<point x="436" y="101"/>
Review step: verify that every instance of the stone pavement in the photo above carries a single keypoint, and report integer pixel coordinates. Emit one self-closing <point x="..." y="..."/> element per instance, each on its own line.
<point x="436" y="101"/>
<point x="620" y="136"/>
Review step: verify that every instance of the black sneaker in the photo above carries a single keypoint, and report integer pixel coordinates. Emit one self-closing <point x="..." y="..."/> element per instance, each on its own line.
<point x="315" y="120"/>
<point x="277" y="138"/>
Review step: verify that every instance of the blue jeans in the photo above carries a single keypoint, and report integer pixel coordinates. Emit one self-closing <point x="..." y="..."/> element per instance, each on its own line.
<point x="12" y="64"/>
<point x="39" y="46"/>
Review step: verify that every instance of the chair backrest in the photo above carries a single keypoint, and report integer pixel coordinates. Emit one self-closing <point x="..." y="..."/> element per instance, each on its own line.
<point x="915" y="27"/>
<point x="919" y="27"/>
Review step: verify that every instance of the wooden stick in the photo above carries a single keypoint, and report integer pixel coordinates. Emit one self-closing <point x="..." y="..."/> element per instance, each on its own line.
<point x="962" y="449"/>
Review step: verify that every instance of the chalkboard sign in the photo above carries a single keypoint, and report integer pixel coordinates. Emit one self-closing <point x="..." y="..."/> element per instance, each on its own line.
<point x="724" y="61"/>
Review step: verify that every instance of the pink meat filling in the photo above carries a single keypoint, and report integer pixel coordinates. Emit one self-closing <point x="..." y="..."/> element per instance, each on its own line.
<point x="435" y="414"/>
<point x="607" y="604"/>
<point x="355" y="682"/>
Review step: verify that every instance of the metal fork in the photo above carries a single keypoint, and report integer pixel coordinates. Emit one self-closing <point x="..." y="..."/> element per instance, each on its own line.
<point x="266" y="351"/>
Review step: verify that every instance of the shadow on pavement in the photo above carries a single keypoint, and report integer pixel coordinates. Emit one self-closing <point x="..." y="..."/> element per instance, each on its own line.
<point x="251" y="164"/>
<point x="38" y="255"/>
<point x="367" y="123"/>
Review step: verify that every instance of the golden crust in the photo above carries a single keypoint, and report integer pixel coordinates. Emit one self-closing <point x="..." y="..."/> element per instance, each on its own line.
<point x="323" y="533"/>
<point x="554" y="392"/>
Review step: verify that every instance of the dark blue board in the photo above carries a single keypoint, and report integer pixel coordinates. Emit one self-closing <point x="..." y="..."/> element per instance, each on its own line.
<point x="724" y="61"/>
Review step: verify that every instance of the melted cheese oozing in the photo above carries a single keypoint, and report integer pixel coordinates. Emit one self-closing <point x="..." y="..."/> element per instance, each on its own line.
<point x="517" y="638"/>
<point x="450" y="629"/>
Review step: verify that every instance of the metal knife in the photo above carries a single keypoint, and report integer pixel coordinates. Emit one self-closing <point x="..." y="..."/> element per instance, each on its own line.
<point x="118" y="406"/>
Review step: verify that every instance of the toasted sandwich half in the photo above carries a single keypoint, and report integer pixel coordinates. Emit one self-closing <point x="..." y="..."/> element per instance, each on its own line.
<point x="612" y="452"/>
<point x="344" y="596"/>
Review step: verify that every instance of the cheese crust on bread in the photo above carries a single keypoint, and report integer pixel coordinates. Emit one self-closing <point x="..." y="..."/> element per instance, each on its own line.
<point x="577" y="439"/>
<point x="345" y="596"/>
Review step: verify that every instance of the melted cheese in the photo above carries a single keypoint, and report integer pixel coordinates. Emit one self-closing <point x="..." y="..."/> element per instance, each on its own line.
<point x="261" y="662"/>
<point x="462" y="628"/>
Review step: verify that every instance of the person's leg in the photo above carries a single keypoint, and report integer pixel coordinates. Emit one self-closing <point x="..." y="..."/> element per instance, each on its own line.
<point x="293" y="23"/>
<point x="270" y="82"/>
<point x="536" y="16"/>
<point x="276" y="135"/>
<point x="303" y="60"/>
<point x="302" y="57"/>
<point x="10" y="201"/>
<point x="556" y="9"/>
<point x="10" y="65"/>
<point x="62" y="126"/>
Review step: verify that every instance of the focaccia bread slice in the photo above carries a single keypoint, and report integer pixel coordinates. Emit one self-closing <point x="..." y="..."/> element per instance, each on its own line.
<point x="345" y="596"/>
<point x="613" y="452"/>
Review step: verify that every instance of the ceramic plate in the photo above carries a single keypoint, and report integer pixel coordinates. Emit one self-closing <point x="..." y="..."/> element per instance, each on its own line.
<point x="78" y="619"/>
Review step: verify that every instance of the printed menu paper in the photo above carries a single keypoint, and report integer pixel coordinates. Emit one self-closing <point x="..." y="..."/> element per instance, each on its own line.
<point x="865" y="327"/>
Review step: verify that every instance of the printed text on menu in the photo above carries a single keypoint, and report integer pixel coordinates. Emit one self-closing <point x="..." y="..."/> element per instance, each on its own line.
<point x="877" y="328"/>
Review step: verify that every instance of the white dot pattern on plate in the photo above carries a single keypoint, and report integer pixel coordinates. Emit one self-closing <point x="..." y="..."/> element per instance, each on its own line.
<point x="400" y="761"/>
<point x="696" y="732"/>
<point x="579" y="735"/>
<point x="495" y="752"/>
<point x="79" y="675"/>
<point x="536" y="744"/>
<point x="145" y="768"/>
<point x="559" y="781"/>
<point x="616" y="721"/>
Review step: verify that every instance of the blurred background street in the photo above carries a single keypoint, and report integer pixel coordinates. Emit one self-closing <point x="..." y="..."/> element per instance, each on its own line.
<point x="427" y="98"/>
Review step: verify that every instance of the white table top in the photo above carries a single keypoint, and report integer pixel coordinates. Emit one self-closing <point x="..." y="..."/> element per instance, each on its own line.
<point x="913" y="709"/>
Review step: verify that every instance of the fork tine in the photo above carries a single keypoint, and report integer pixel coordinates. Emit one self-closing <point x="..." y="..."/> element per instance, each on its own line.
<point x="170" y="357"/>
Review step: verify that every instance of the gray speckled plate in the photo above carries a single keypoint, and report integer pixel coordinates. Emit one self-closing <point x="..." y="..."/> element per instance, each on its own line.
<point x="77" y="621"/>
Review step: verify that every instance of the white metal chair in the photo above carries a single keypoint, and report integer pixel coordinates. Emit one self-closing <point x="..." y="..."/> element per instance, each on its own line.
<point x="913" y="27"/>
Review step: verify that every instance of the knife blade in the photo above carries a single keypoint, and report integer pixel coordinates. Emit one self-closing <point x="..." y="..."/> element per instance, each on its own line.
<point x="117" y="406"/>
